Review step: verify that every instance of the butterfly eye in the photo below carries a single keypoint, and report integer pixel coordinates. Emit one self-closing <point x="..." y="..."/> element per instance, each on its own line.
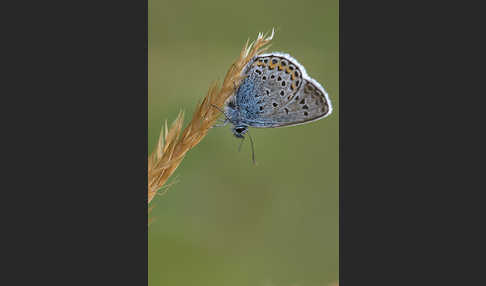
<point x="239" y="129"/>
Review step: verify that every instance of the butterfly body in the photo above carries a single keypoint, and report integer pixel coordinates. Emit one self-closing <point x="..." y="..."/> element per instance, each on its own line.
<point x="276" y="92"/>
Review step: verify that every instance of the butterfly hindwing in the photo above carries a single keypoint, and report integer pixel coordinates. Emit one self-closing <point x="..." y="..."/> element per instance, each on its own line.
<point x="277" y="92"/>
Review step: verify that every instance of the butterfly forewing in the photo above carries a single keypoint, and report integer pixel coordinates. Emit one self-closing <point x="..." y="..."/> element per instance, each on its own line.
<point x="285" y="94"/>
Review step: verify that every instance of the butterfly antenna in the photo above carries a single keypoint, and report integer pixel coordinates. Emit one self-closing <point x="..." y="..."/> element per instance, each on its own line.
<point x="252" y="149"/>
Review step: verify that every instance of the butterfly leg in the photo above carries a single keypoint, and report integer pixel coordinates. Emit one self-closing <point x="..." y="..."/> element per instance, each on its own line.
<point x="241" y="144"/>
<point x="224" y="122"/>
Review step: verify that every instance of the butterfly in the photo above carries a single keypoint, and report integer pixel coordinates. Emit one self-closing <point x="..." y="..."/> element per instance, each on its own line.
<point x="276" y="92"/>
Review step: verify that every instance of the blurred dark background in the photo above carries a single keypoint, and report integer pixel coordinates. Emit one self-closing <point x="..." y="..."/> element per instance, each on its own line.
<point x="225" y="221"/>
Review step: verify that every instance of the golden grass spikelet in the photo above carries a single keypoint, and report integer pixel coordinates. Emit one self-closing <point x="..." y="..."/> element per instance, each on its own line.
<point x="173" y="143"/>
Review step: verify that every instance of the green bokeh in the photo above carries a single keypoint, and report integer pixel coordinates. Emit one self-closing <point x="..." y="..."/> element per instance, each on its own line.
<point x="225" y="221"/>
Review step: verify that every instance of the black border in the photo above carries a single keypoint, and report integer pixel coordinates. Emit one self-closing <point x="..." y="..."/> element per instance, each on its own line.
<point x="79" y="171"/>
<point x="404" y="151"/>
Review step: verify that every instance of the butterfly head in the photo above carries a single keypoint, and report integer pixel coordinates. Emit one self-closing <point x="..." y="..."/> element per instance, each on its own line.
<point x="240" y="130"/>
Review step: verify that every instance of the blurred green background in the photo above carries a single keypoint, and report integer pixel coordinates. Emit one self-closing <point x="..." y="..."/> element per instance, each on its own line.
<point x="225" y="221"/>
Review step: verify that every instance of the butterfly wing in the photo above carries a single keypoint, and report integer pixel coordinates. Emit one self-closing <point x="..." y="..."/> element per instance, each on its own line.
<point x="278" y="92"/>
